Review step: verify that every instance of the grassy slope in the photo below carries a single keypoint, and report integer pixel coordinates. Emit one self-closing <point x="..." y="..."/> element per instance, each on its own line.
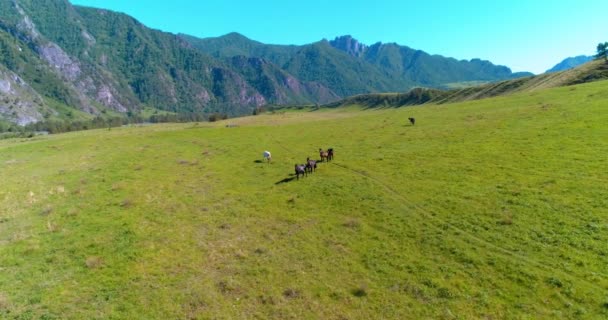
<point x="592" y="71"/>
<point x="492" y="208"/>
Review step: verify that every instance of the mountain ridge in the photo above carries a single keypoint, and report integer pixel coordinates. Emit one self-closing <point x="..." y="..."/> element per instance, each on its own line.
<point x="570" y="62"/>
<point x="59" y="61"/>
<point x="400" y="66"/>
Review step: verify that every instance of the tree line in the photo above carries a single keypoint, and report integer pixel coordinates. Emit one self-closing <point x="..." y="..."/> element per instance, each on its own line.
<point x="60" y="126"/>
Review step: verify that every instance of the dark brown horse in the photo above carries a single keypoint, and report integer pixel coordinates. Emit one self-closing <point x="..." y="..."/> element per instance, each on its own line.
<point x="412" y="120"/>
<point x="330" y="154"/>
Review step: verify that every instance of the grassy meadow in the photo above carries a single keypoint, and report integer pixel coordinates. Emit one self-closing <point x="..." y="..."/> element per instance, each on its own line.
<point x="489" y="209"/>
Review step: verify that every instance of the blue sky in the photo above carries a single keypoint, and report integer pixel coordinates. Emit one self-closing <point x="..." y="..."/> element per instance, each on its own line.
<point x="525" y="35"/>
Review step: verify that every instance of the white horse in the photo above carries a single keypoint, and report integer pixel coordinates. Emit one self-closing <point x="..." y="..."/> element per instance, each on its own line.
<point x="267" y="156"/>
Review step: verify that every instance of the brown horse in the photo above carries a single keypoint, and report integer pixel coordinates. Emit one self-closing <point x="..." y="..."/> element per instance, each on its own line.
<point x="330" y="154"/>
<point x="323" y="154"/>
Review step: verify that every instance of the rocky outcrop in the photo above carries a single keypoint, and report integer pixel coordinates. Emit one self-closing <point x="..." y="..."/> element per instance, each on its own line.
<point x="19" y="103"/>
<point x="26" y="25"/>
<point x="60" y="61"/>
<point x="87" y="84"/>
<point x="349" y="45"/>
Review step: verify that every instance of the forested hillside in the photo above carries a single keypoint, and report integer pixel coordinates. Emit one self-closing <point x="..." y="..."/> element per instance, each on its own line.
<point x="349" y="67"/>
<point x="56" y="57"/>
<point x="65" y="62"/>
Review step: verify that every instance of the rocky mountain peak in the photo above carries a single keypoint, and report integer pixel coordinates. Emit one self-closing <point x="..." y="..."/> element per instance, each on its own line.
<point x="349" y="45"/>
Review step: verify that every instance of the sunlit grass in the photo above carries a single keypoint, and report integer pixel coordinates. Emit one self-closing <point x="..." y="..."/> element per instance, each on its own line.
<point x="493" y="208"/>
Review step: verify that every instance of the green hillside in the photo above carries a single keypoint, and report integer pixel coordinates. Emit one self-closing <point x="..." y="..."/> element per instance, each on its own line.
<point x="317" y="62"/>
<point x="98" y="61"/>
<point x="592" y="71"/>
<point x="338" y="71"/>
<point x="348" y="67"/>
<point x="278" y="85"/>
<point x="433" y="70"/>
<point x="485" y="209"/>
<point x="235" y="44"/>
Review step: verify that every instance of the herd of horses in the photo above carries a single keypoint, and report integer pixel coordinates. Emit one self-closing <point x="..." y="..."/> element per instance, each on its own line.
<point x="326" y="155"/>
<point x="311" y="165"/>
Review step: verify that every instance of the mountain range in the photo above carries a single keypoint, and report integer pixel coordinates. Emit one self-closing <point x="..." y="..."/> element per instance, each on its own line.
<point x="348" y="67"/>
<point x="61" y="61"/>
<point x="570" y="63"/>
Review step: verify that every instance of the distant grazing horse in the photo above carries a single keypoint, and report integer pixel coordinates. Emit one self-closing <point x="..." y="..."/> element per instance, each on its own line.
<point x="323" y="155"/>
<point x="311" y="165"/>
<point x="267" y="156"/>
<point x="412" y="120"/>
<point x="300" y="170"/>
<point x="330" y="154"/>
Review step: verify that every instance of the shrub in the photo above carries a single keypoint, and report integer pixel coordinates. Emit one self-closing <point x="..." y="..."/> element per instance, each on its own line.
<point x="360" y="292"/>
<point x="555" y="282"/>
<point x="444" y="293"/>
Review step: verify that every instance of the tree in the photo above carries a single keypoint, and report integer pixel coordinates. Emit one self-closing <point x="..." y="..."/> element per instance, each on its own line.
<point x="602" y="51"/>
<point x="214" y="117"/>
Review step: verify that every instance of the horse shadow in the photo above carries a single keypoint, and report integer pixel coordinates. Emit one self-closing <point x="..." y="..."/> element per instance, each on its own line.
<point x="286" y="180"/>
<point x="258" y="161"/>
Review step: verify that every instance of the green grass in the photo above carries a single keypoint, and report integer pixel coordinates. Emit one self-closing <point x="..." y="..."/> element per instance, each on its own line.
<point x="490" y="209"/>
<point x="66" y="113"/>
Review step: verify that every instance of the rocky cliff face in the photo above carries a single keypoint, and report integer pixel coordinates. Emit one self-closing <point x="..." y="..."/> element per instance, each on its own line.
<point x="85" y="81"/>
<point x="349" y="45"/>
<point x="33" y="58"/>
<point x="19" y="103"/>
